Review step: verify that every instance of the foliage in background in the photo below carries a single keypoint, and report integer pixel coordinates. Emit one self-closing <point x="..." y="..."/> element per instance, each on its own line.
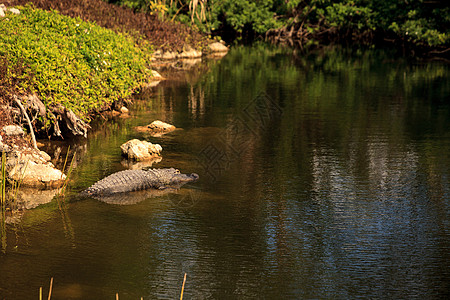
<point x="69" y="62"/>
<point x="425" y="23"/>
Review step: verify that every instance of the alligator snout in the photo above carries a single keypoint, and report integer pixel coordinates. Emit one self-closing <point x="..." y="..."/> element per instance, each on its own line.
<point x="194" y="176"/>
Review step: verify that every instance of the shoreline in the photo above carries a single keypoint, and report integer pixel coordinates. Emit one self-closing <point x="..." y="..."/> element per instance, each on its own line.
<point x="48" y="179"/>
<point x="23" y="162"/>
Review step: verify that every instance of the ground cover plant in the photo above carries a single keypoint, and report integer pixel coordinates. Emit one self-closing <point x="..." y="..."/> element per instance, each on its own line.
<point x="69" y="62"/>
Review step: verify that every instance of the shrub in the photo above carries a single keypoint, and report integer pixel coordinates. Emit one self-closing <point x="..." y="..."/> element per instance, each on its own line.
<point x="70" y="62"/>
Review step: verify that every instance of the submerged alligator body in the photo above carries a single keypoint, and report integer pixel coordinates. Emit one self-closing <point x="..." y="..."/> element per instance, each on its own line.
<point x="136" y="180"/>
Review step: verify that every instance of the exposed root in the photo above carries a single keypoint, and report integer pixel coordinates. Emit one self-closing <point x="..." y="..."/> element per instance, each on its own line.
<point x="33" y="138"/>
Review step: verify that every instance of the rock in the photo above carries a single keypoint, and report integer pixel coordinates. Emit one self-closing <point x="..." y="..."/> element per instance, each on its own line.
<point x="155" y="79"/>
<point x="37" y="175"/>
<point x="156" y="128"/>
<point x="191" y="53"/>
<point x="124" y="110"/>
<point x="111" y="113"/>
<point x="2" y="12"/>
<point x="169" y="55"/>
<point x="157" y="54"/>
<point x="187" y="53"/>
<point x="218" y="47"/>
<point x="140" y="150"/>
<point x="45" y="156"/>
<point x="161" y="126"/>
<point x="11" y="130"/>
<point x="156" y="75"/>
<point x="153" y="84"/>
<point x="32" y="167"/>
<point x="14" y="11"/>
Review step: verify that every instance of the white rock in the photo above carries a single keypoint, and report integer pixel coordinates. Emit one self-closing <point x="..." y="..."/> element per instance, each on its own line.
<point x="140" y="150"/>
<point x="156" y="75"/>
<point x="153" y="83"/>
<point x="10" y="130"/>
<point x="157" y="54"/>
<point x="14" y="11"/>
<point x="124" y="110"/>
<point x="161" y="126"/>
<point x="2" y="12"/>
<point x="169" y="55"/>
<point x="218" y="47"/>
<point x="190" y="54"/>
<point x="37" y="175"/>
<point x="44" y="155"/>
<point x="32" y="167"/>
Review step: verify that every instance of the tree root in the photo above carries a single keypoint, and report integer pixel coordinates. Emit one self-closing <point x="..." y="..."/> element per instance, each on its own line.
<point x="57" y="113"/>
<point x="74" y="124"/>
<point x="16" y="99"/>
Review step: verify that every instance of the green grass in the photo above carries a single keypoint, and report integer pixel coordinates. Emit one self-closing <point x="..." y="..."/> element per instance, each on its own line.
<point x="77" y="64"/>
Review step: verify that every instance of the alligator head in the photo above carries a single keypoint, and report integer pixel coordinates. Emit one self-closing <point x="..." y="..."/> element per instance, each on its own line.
<point x="173" y="177"/>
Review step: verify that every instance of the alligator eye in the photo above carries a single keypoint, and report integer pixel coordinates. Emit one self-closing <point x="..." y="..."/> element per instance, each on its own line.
<point x="177" y="171"/>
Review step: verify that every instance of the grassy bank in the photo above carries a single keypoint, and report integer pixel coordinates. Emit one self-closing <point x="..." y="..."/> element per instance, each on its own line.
<point x="69" y="62"/>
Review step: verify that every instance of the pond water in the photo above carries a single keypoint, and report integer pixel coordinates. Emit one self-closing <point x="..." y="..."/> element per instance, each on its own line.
<point x="322" y="175"/>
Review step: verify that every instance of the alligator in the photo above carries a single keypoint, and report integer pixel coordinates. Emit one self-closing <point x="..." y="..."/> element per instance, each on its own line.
<point x="136" y="180"/>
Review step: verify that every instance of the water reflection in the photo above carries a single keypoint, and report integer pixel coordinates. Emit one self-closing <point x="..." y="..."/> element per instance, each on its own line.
<point x="335" y="186"/>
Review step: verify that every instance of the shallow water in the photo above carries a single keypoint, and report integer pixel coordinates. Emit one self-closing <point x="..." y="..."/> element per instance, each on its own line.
<point x="322" y="175"/>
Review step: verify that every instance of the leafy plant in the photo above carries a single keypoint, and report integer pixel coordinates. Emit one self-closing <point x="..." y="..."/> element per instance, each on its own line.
<point x="76" y="64"/>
